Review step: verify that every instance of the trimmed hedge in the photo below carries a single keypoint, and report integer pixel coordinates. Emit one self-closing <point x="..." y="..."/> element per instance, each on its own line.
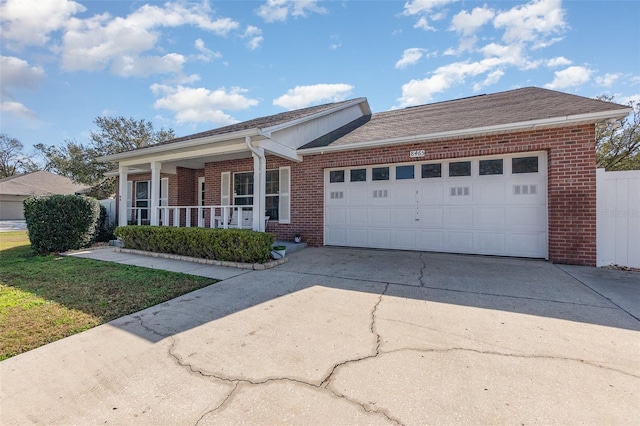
<point x="57" y="223"/>
<point x="233" y="245"/>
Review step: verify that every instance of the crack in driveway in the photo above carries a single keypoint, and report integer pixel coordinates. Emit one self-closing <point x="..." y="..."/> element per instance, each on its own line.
<point x="236" y="381"/>
<point x="424" y="266"/>
<point x="147" y="328"/>
<point x="369" y="407"/>
<point x="460" y="291"/>
<point x="224" y="401"/>
<point x="508" y="355"/>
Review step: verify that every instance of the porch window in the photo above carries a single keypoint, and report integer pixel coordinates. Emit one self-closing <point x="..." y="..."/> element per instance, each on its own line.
<point x="143" y="198"/>
<point x="243" y="189"/>
<point x="243" y="192"/>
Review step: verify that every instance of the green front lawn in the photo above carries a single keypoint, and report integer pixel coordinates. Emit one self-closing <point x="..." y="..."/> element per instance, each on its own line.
<point x="46" y="298"/>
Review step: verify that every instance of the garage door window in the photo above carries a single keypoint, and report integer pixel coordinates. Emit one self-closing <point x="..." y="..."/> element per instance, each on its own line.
<point x="404" y="172"/>
<point x="524" y="165"/>
<point x="336" y="176"/>
<point x="490" y="167"/>
<point x="380" y="173"/>
<point x="358" y="175"/>
<point x="431" y="170"/>
<point x="461" y="168"/>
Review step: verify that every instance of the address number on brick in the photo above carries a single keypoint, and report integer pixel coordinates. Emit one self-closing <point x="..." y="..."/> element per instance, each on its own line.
<point x="417" y="153"/>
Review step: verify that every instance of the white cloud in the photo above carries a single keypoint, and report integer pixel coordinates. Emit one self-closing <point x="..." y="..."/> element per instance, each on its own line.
<point x="30" y="22"/>
<point x="279" y="10"/>
<point x="144" y="66"/>
<point x="17" y="74"/>
<point x="254" y="34"/>
<point x="417" y="92"/>
<point x="423" y="24"/>
<point x="303" y="96"/>
<point x="533" y="22"/>
<point x="523" y="29"/>
<point x="201" y="105"/>
<point x="426" y="10"/>
<point x="206" y="54"/>
<point x="569" y="77"/>
<point x="559" y="61"/>
<point x="17" y="109"/>
<point x="416" y="7"/>
<point x="410" y="57"/>
<point x="468" y="23"/>
<point x="101" y="41"/>
<point x="607" y="80"/>
<point x="626" y="100"/>
<point x="492" y="78"/>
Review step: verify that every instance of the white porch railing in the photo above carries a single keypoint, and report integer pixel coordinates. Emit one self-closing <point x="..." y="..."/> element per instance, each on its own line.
<point x="203" y="216"/>
<point x="195" y="216"/>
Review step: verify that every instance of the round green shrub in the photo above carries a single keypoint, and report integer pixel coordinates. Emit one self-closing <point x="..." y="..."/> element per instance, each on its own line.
<point x="57" y="223"/>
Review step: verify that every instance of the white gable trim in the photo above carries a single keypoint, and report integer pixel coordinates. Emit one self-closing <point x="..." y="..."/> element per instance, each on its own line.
<point x="268" y="130"/>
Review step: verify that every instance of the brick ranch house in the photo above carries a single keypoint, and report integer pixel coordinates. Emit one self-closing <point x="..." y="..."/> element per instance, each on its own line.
<point x="508" y="174"/>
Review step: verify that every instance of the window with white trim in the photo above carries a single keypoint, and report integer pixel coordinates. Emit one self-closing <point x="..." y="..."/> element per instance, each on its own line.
<point x="277" y="185"/>
<point x="143" y="196"/>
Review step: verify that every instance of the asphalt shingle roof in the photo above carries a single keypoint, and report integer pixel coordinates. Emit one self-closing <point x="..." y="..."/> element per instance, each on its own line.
<point x="39" y="183"/>
<point x="514" y="106"/>
<point x="261" y="122"/>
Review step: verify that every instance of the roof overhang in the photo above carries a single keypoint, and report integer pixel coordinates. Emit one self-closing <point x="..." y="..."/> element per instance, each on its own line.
<point x="224" y="144"/>
<point x="478" y="131"/>
<point x="155" y="150"/>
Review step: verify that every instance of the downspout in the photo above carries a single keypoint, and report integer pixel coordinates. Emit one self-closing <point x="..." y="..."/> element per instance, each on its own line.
<point x="259" y="184"/>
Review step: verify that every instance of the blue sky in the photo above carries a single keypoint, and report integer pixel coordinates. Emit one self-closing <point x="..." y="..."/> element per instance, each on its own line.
<point x="197" y="65"/>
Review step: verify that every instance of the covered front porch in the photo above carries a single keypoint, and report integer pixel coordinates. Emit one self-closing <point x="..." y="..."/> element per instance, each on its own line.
<point x="190" y="187"/>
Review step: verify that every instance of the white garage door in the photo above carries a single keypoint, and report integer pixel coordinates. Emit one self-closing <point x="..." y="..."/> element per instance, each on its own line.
<point x="487" y="205"/>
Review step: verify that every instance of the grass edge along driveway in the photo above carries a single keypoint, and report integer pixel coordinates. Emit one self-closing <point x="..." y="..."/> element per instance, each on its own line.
<point x="47" y="298"/>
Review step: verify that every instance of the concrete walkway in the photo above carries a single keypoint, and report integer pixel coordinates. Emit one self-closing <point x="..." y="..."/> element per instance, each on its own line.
<point x="12" y="225"/>
<point x="347" y="336"/>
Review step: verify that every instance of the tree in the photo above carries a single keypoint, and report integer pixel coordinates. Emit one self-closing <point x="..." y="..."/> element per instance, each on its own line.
<point x="13" y="161"/>
<point x="618" y="143"/>
<point x="116" y="134"/>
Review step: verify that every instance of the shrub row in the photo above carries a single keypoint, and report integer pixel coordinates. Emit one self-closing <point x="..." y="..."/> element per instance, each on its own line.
<point x="234" y="245"/>
<point x="57" y="223"/>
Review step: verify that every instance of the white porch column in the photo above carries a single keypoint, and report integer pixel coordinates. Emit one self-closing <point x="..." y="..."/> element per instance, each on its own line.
<point x="259" y="189"/>
<point x="122" y="195"/>
<point x="155" y="191"/>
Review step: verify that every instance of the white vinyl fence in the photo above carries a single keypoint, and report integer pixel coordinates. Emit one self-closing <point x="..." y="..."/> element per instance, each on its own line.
<point x="618" y="218"/>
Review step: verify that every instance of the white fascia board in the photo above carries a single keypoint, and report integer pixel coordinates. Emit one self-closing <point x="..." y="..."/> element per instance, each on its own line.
<point x="267" y="131"/>
<point x="156" y="149"/>
<point x="116" y="173"/>
<point x="500" y="128"/>
<point x="171" y="170"/>
<point x="186" y="155"/>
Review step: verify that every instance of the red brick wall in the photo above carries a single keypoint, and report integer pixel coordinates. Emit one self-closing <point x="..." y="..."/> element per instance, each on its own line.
<point x="571" y="180"/>
<point x="571" y="177"/>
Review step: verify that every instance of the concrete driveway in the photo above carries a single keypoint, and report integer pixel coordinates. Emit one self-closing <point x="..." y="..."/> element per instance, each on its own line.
<point x="347" y="336"/>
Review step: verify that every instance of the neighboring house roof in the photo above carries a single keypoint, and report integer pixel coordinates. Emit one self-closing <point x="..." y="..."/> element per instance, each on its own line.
<point x="514" y="109"/>
<point x="39" y="183"/>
